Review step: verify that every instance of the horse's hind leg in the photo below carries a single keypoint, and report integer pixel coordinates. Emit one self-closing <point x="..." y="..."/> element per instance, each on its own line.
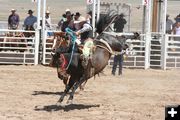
<point x="68" y="87"/>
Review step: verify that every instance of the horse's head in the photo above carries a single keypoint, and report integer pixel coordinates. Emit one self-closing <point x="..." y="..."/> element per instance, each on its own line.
<point x="59" y="40"/>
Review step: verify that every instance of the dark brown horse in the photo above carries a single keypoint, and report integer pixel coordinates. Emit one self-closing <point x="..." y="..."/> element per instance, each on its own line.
<point x="104" y="45"/>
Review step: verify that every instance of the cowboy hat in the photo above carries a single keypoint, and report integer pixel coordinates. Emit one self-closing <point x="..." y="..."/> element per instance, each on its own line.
<point x="30" y="11"/>
<point x="13" y="10"/>
<point x="47" y="12"/>
<point x="77" y="14"/>
<point x="67" y="10"/>
<point x="81" y="19"/>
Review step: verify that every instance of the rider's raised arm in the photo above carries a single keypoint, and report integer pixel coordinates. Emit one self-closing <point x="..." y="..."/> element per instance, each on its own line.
<point x="86" y="27"/>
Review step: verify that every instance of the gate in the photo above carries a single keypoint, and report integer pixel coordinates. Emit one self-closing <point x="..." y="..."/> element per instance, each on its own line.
<point x="171" y="52"/>
<point x="156" y="50"/>
<point x="15" y="48"/>
<point x="47" y="46"/>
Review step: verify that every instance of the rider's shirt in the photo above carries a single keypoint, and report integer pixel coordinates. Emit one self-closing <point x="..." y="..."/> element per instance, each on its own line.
<point x="85" y="32"/>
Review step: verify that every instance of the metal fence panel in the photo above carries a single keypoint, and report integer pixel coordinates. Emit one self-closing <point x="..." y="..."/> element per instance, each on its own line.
<point x="15" y="48"/>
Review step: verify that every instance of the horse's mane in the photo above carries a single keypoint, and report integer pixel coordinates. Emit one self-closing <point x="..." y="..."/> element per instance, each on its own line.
<point x="105" y="20"/>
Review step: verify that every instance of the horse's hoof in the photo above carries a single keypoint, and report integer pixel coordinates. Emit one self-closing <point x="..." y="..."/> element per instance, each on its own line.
<point x="58" y="103"/>
<point x="81" y="88"/>
<point x="60" y="100"/>
<point x="69" y="102"/>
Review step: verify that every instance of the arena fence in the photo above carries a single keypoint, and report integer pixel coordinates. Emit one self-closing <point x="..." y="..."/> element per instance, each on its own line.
<point x="136" y="56"/>
<point x="162" y="51"/>
<point x="153" y="50"/>
<point x="15" y="48"/>
<point x="171" y="52"/>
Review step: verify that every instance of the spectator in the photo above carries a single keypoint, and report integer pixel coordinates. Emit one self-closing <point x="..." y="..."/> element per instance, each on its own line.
<point x="119" y="23"/>
<point x="48" y="25"/>
<point x="48" y="21"/>
<point x="62" y="20"/>
<point x="69" y="22"/>
<point x="89" y="17"/>
<point x="29" y="21"/>
<point x="68" y="11"/>
<point x="169" y="25"/>
<point x="176" y="30"/>
<point x="177" y="19"/>
<point x="13" y="20"/>
<point x="118" y="59"/>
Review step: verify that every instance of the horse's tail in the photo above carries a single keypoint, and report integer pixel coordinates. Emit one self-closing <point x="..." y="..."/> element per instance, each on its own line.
<point x="105" y="21"/>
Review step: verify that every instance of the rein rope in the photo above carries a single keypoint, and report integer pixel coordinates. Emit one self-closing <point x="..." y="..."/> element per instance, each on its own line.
<point x="73" y="39"/>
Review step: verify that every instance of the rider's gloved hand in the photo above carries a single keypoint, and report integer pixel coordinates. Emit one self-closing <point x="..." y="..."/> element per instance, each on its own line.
<point x="77" y="33"/>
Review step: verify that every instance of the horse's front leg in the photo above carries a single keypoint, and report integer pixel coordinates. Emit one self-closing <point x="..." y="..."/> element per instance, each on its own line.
<point x="68" y="87"/>
<point x="64" y="94"/>
<point x="74" y="88"/>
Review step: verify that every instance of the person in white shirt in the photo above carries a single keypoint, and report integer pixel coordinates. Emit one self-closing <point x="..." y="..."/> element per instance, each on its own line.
<point x="48" y="20"/>
<point x="176" y="30"/>
<point x="48" y="25"/>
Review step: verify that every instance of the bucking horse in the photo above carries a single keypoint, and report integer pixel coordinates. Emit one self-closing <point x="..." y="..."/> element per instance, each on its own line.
<point x="68" y="60"/>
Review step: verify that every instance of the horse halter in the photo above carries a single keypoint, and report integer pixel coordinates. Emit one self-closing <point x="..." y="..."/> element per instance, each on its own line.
<point x="59" y="39"/>
<point x="63" y="61"/>
<point x="61" y="67"/>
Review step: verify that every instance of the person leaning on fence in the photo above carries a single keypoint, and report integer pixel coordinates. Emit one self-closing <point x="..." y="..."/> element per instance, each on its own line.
<point x="30" y="21"/>
<point x="13" y="20"/>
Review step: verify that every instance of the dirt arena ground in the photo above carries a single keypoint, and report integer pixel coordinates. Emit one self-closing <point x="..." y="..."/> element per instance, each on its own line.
<point x="31" y="93"/>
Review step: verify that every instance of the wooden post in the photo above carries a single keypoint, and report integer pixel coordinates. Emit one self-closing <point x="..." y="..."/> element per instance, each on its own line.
<point x="155" y="16"/>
